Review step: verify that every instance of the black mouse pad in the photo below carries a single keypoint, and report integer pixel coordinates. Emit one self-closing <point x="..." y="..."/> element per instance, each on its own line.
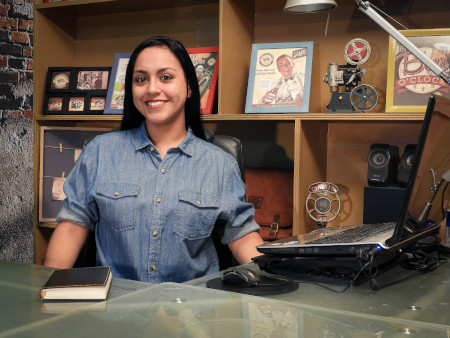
<point x="268" y="285"/>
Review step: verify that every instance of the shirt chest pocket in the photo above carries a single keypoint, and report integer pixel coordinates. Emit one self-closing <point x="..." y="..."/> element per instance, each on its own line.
<point x="117" y="205"/>
<point x="196" y="215"/>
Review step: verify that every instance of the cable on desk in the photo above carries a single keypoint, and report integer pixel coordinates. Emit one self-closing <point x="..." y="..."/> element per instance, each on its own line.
<point x="421" y="262"/>
<point x="346" y="287"/>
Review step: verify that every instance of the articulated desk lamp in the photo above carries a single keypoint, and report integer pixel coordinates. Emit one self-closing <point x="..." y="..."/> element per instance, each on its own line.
<point x="312" y="6"/>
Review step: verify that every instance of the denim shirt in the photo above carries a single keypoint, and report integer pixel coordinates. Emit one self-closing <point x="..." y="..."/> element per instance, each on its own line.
<point x="153" y="217"/>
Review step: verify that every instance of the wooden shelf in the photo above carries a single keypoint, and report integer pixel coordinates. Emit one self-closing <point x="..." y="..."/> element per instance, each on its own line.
<point x="315" y="117"/>
<point x="82" y="8"/>
<point x="318" y="146"/>
<point x="100" y="118"/>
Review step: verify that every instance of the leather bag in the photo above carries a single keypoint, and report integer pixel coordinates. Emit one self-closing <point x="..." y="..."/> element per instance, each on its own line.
<point x="271" y="193"/>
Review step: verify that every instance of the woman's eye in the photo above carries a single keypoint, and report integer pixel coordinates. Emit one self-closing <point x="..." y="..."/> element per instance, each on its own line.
<point x="166" y="77"/>
<point x="139" y="79"/>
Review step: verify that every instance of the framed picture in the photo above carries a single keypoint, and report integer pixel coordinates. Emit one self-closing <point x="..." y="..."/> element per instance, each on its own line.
<point x="55" y="103"/>
<point x="206" y="64"/>
<point x="60" y="148"/>
<point x="60" y="79"/>
<point x="95" y="103"/>
<point x="116" y="87"/>
<point x="409" y="81"/>
<point x="280" y="78"/>
<point x="76" y="104"/>
<point x="93" y="79"/>
<point x="69" y="89"/>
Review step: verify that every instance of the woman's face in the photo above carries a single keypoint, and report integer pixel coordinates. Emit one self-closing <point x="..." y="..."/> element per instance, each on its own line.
<point x="159" y="87"/>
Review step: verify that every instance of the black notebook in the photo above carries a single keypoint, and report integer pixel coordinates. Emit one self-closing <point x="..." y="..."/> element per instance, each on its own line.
<point x="78" y="283"/>
<point x="432" y="152"/>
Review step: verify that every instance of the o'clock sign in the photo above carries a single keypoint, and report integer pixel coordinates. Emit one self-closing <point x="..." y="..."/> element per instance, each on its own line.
<point x="410" y="82"/>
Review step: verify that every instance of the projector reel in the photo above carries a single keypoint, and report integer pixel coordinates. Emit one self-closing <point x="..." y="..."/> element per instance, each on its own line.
<point x="363" y="97"/>
<point x="357" y="51"/>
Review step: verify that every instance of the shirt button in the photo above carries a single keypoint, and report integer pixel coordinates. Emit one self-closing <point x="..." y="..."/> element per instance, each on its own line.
<point x="152" y="149"/>
<point x="163" y="171"/>
<point x="155" y="233"/>
<point x="153" y="267"/>
<point x="198" y="202"/>
<point x="159" y="200"/>
<point x="116" y="194"/>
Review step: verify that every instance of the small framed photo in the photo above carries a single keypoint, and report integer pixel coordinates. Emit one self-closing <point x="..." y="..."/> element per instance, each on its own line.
<point x="55" y="103"/>
<point x="116" y="87"/>
<point x="206" y="64"/>
<point x="96" y="104"/>
<point x="409" y="81"/>
<point x="76" y="104"/>
<point x="60" y="79"/>
<point x="279" y="78"/>
<point x="93" y="79"/>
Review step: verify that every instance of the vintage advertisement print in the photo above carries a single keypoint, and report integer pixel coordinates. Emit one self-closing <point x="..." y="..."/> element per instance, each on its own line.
<point x="410" y="82"/>
<point x="280" y="78"/>
<point x="116" y="88"/>
<point x="205" y="61"/>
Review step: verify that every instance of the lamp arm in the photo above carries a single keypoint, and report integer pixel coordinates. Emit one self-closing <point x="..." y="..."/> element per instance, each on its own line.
<point x="364" y="6"/>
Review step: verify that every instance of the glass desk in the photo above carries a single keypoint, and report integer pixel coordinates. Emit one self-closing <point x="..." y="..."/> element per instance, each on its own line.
<point x="21" y="307"/>
<point x="420" y="299"/>
<point x="417" y="307"/>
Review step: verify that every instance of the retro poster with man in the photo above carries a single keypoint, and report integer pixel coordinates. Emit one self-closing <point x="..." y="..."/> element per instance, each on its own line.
<point x="279" y="78"/>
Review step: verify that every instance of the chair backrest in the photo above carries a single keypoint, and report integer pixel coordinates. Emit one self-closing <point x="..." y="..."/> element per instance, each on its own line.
<point x="231" y="145"/>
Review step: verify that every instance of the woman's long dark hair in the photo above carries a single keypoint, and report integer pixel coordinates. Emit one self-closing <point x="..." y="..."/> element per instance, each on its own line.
<point x="132" y="118"/>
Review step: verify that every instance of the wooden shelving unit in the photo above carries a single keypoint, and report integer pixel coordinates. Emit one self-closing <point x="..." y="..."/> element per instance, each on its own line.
<point x="319" y="146"/>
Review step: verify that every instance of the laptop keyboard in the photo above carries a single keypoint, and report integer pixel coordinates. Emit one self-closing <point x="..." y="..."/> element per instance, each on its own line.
<point x="356" y="234"/>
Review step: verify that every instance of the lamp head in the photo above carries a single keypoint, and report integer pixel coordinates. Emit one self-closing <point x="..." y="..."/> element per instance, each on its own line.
<point x="308" y="6"/>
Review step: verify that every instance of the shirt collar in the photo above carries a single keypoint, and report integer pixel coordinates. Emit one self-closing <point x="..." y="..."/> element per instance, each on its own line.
<point x="142" y="140"/>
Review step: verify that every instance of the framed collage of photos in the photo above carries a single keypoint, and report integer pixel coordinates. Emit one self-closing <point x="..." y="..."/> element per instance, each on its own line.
<point x="206" y="64"/>
<point x="76" y="91"/>
<point x="59" y="150"/>
<point x="279" y="78"/>
<point x="409" y="81"/>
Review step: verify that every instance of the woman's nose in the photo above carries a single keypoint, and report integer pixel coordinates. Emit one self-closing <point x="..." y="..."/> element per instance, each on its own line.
<point x="153" y="87"/>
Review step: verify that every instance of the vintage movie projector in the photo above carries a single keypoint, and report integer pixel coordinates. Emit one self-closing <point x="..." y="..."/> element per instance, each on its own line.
<point x="354" y="98"/>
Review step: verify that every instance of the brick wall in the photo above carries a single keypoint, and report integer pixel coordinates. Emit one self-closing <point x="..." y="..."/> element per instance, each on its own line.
<point x="16" y="130"/>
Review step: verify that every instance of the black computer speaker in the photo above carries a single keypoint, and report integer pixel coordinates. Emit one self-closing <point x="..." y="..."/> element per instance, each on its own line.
<point x="382" y="204"/>
<point x="382" y="164"/>
<point x="406" y="162"/>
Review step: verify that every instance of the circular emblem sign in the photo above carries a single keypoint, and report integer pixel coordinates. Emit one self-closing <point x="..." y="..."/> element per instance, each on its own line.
<point x="266" y="59"/>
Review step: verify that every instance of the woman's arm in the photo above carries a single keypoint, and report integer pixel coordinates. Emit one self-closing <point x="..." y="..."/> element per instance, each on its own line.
<point x="65" y="245"/>
<point x="244" y="248"/>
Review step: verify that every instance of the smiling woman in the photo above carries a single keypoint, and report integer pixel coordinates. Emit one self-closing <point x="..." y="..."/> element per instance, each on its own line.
<point x="145" y="189"/>
<point x="159" y="93"/>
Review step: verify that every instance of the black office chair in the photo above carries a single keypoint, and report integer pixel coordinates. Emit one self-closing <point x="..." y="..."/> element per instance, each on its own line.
<point x="233" y="146"/>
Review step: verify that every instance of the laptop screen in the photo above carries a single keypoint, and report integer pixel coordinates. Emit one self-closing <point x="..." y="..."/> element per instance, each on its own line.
<point x="433" y="152"/>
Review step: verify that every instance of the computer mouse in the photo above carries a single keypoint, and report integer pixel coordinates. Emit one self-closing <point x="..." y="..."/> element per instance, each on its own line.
<point x="240" y="276"/>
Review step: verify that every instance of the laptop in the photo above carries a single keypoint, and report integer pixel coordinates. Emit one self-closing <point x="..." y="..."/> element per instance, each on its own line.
<point x="420" y="214"/>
